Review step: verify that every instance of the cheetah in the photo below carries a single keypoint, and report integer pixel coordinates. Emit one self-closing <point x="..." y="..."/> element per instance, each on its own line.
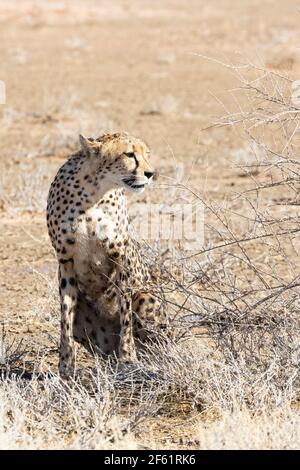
<point x="104" y="282"/>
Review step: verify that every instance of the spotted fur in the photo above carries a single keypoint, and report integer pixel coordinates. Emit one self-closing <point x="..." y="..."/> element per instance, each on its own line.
<point x="104" y="282"/>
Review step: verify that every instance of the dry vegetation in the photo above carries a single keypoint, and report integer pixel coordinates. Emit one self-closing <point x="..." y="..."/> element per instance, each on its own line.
<point x="233" y="360"/>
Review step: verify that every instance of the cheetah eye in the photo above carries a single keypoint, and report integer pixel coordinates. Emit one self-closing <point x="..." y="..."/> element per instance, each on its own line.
<point x="130" y="154"/>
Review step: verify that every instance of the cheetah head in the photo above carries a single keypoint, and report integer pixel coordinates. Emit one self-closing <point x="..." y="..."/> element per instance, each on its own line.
<point x="122" y="158"/>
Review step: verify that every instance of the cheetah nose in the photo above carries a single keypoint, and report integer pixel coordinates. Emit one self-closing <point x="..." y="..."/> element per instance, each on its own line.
<point x="149" y="174"/>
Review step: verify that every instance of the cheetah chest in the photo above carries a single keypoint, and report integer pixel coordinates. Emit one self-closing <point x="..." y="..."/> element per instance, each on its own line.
<point x="94" y="232"/>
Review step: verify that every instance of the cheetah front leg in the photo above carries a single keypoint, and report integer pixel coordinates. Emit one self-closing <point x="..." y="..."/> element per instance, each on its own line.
<point x="127" y="352"/>
<point x="68" y="300"/>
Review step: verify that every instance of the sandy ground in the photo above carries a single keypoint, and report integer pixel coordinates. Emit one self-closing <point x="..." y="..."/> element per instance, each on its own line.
<point x="90" y="66"/>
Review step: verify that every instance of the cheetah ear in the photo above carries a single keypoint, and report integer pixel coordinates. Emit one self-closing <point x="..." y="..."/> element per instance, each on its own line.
<point x="88" y="145"/>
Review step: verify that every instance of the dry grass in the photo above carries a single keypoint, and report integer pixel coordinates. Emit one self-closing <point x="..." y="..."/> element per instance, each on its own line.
<point x="105" y="410"/>
<point x="271" y="430"/>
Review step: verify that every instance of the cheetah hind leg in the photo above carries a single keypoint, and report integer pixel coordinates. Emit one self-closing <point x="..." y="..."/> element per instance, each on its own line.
<point x="148" y="316"/>
<point x="96" y="333"/>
